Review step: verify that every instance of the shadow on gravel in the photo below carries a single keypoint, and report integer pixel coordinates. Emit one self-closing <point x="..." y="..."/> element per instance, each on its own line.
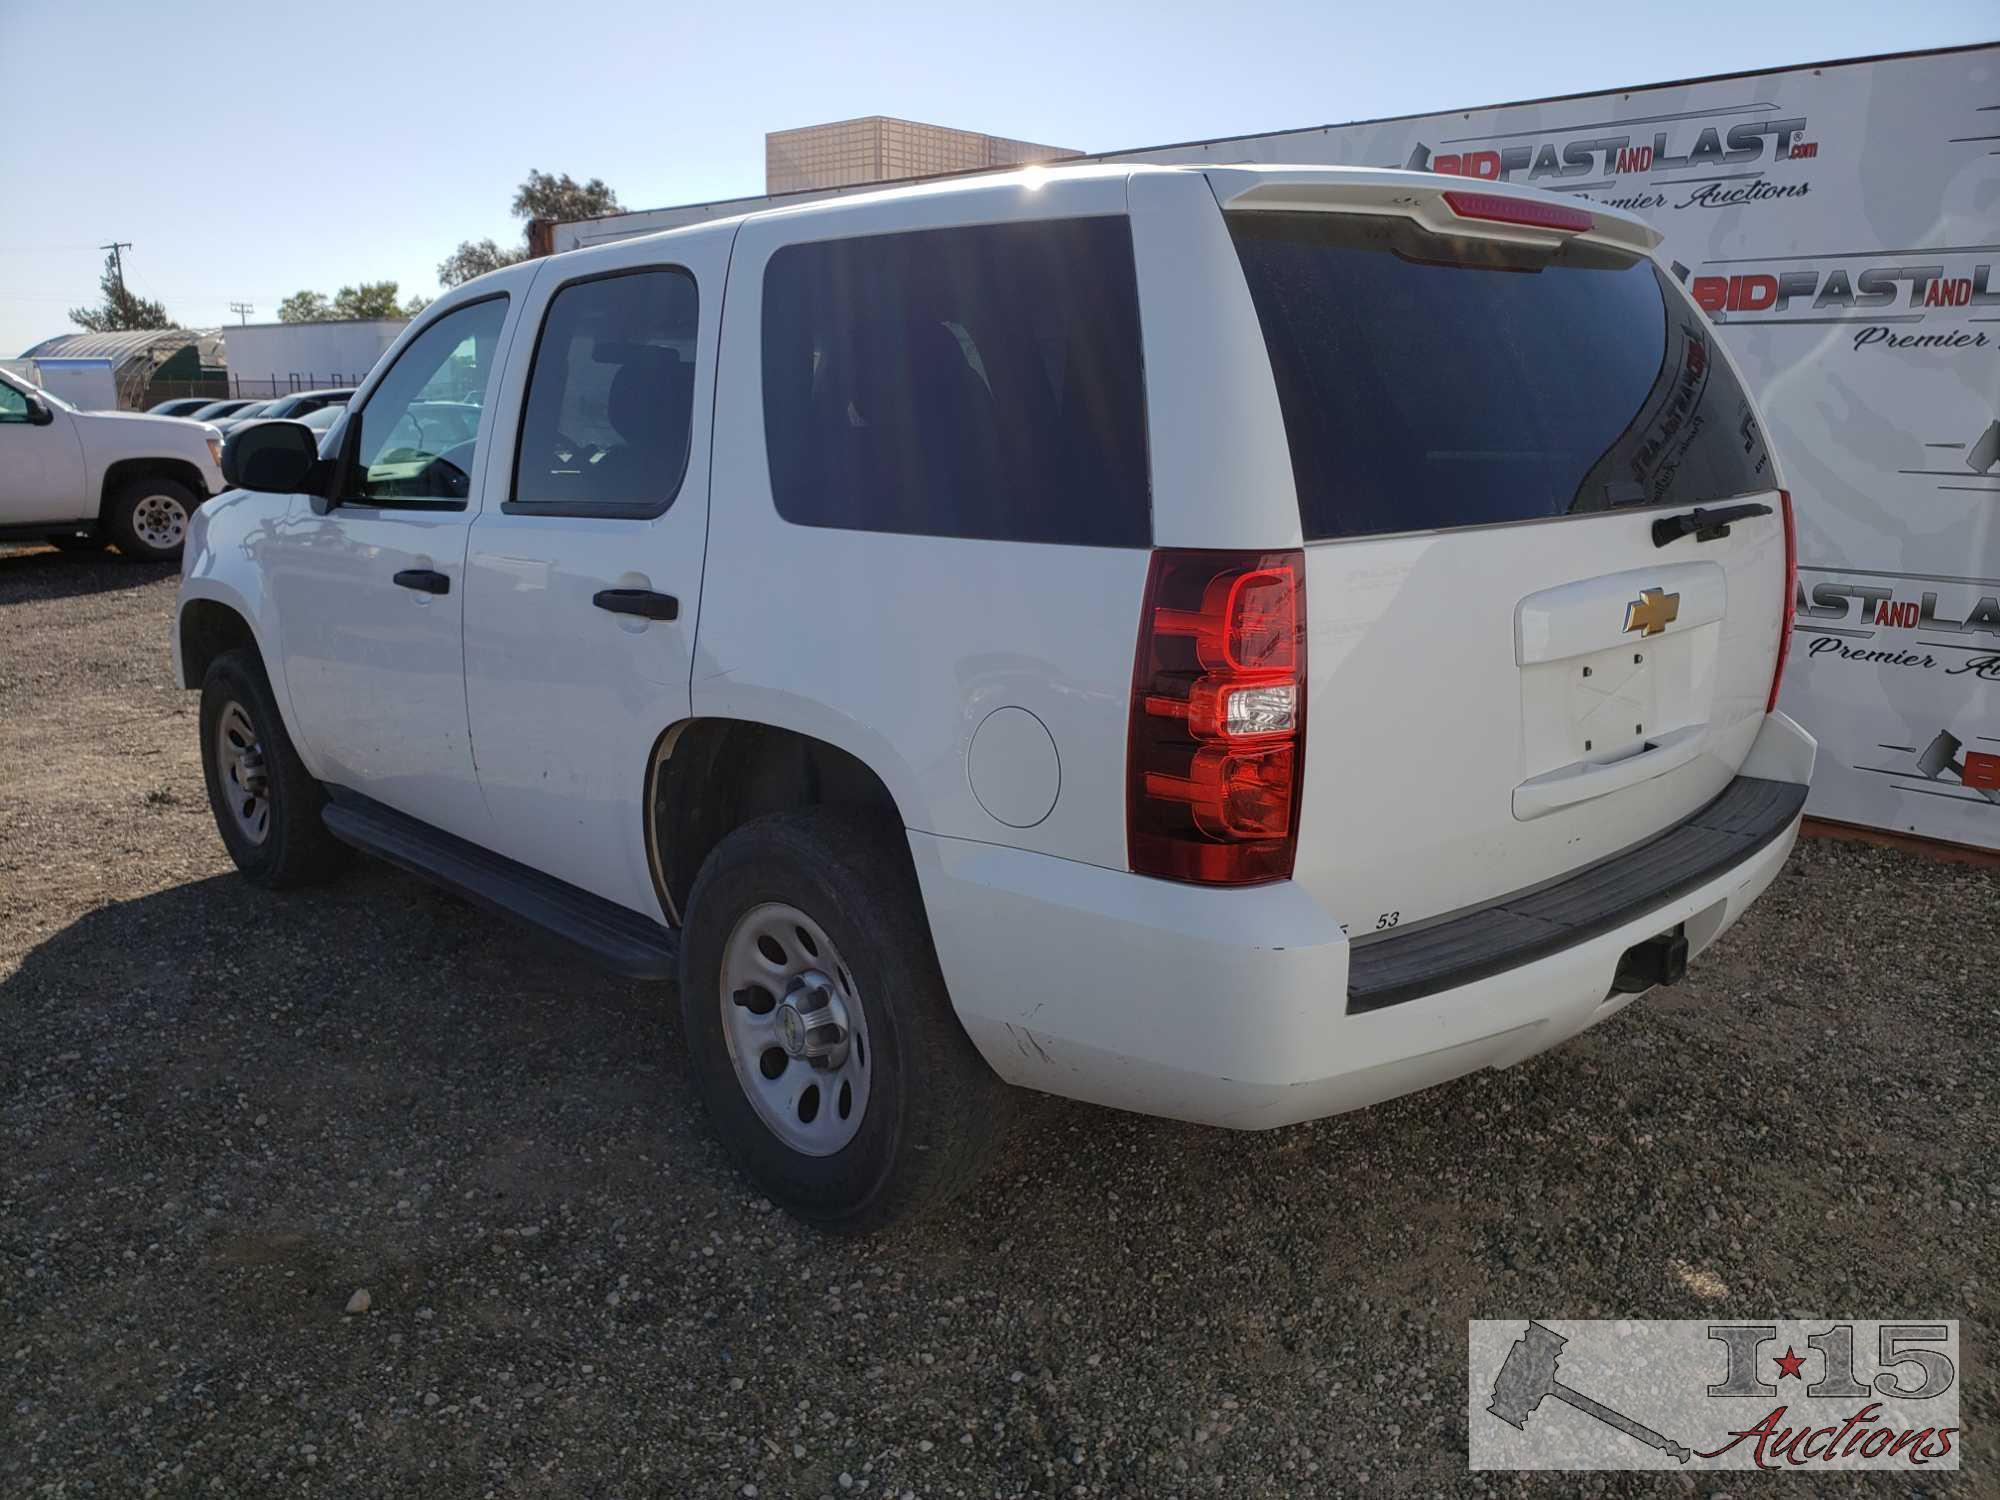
<point x="43" y="573"/>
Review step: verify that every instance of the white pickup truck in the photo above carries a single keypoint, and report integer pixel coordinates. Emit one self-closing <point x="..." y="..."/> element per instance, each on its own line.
<point x="88" y="479"/>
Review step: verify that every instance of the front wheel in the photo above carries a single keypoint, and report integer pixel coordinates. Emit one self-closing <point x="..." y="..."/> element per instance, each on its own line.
<point x="149" y="518"/>
<point x="266" y="803"/>
<point x="820" y="1032"/>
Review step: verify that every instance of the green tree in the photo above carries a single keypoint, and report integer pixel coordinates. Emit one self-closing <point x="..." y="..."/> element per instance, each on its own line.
<point x="371" y="299"/>
<point x="563" y="198"/>
<point x="474" y="258"/>
<point x="304" y="307"/>
<point x="120" y="310"/>
<point x="415" y="305"/>
<point x="540" y="196"/>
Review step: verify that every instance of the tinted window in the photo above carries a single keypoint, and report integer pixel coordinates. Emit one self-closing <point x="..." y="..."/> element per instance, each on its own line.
<point x="611" y="396"/>
<point x="960" y="382"/>
<point x="13" y="404"/>
<point x="1430" y="382"/>
<point x="406" y="446"/>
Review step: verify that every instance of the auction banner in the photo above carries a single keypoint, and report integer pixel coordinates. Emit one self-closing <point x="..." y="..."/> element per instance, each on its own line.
<point x="1841" y="225"/>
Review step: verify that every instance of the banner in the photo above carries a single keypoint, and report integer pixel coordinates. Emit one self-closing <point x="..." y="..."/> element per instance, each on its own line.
<point x="1841" y="225"/>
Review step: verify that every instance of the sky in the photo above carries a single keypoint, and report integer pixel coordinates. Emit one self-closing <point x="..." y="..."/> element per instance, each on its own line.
<point x="250" y="152"/>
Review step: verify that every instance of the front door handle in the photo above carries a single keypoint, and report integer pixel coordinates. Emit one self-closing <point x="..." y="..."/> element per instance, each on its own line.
<point x="424" y="581"/>
<point x="642" y="602"/>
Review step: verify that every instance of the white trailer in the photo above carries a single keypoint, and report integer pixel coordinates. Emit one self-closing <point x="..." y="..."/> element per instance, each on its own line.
<point x="1837" y="220"/>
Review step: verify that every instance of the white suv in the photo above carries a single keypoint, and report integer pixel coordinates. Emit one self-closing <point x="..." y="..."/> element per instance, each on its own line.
<point x="1234" y="644"/>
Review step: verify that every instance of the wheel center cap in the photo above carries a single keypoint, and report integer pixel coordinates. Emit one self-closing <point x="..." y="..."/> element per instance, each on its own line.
<point x="812" y="1023"/>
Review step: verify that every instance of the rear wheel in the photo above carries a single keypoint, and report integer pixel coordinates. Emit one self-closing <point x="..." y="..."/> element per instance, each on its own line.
<point x="266" y="804"/>
<point x="149" y="518"/>
<point x="820" y="1032"/>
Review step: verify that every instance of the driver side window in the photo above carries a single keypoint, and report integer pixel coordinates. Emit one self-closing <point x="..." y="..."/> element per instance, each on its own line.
<point x="13" y="404"/>
<point x="415" y="439"/>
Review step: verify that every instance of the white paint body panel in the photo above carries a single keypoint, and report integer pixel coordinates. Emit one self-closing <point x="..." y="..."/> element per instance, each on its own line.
<point x="57" y="473"/>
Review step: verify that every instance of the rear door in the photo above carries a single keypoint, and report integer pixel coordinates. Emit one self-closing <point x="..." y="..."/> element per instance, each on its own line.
<point x="1510" y="673"/>
<point x="583" y="582"/>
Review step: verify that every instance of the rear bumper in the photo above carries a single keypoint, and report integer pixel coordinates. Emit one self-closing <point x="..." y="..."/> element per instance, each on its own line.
<point x="1230" y="1007"/>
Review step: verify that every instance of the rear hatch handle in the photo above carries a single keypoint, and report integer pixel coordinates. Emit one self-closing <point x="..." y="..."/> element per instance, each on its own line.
<point x="1704" y="525"/>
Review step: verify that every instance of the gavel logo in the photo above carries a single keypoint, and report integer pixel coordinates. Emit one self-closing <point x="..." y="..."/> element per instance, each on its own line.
<point x="1530" y="1374"/>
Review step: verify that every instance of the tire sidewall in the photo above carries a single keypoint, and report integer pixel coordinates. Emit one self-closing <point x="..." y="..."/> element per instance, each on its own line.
<point x="126" y="534"/>
<point x="233" y="679"/>
<point x="772" y="862"/>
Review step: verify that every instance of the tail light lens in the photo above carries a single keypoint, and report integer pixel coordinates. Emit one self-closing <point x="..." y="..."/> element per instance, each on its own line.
<point x="1218" y="717"/>
<point x="1791" y="598"/>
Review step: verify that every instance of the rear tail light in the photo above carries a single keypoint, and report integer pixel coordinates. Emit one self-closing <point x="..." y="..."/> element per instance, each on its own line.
<point x="1790" y="601"/>
<point x="1218" y="717"/>
<point x="1498" y="208"/>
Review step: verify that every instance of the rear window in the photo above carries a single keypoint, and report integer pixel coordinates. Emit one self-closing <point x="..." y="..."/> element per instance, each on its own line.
<point x="1429" y="382"/>
<point x="980" y="382"/>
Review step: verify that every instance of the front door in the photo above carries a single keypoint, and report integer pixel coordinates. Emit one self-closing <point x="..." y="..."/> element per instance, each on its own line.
<point x="583" y="578"/>
<point x="41" y="467"/>
<point x="370" y="591"/>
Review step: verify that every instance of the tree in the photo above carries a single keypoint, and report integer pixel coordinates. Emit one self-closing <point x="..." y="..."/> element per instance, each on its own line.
<point x="121" y="310"/>
<point x="540" y="196"/>
<point x="304" y="307"/>
<point x="415" y="305"/>
<point x="371" y="299"/>
<point x="474" y="258"/>
<point x="561" y="198"/>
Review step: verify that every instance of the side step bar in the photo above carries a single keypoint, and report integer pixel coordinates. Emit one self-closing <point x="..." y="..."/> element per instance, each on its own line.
<point x="1531" y="924"/>
<point x="620" y="940"/>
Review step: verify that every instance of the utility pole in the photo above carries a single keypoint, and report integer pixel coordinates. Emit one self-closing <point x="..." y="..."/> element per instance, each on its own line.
<point x="118" y="261"/>
<point x="242" y="310"/>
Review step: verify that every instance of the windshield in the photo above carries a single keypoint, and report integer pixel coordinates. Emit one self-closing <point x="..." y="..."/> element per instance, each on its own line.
<point x="1430" y="382"/>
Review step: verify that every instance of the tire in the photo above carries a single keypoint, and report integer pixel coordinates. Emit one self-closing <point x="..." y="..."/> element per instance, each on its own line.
<point x="76" y="541"/>
<point x="148" y="518"/>
<point x="266" y="805"/>
<point x="931" y="1111"/>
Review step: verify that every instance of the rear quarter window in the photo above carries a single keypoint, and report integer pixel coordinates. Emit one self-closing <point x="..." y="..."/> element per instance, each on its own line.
<point x="977" y="382"/>
<point x="1431" y="382"/>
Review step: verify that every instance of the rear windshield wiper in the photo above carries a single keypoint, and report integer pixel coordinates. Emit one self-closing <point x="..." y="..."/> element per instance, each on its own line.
<point x="1704" y="525"/>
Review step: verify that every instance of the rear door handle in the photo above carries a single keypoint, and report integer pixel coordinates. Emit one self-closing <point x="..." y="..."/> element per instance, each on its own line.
<point x="642" y="602"/>
<point x="424" y="581"/>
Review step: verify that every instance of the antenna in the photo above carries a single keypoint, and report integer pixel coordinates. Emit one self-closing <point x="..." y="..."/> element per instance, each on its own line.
<point x="243" y="310"/>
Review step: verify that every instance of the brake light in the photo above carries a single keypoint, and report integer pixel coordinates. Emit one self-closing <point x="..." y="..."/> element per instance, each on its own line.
<point x="1498" y="208"/>
<point x="1217" y="735"/>
<point x="1791" y="600"/>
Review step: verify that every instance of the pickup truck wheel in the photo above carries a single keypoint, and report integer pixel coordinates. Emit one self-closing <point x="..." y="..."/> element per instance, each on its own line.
<point x="819" y="1029"/>
<point x="149" y="518"/>
<point x="266" y="805"/>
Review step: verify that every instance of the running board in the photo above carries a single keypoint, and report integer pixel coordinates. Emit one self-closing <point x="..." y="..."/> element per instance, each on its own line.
<point x="620" y="940"/>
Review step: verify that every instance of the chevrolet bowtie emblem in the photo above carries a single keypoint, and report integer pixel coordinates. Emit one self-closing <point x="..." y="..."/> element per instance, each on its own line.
<point x="1652" y="611"/>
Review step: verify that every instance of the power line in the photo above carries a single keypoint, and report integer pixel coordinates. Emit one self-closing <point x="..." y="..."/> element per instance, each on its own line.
<point x="243" y="310"/>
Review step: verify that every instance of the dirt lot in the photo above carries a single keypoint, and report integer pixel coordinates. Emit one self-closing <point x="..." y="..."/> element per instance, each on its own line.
<point x="224" y="1112"/>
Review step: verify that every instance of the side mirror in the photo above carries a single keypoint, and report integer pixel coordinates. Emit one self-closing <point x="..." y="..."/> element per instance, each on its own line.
<point x="39" y="414"/>
<point x="274" y="458"/>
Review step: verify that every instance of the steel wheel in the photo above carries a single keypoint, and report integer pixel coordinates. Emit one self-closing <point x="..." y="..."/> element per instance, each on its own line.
<point x="160" y="521"/>
<point x="239" y="756"/>
<point x="795" y="1029"/>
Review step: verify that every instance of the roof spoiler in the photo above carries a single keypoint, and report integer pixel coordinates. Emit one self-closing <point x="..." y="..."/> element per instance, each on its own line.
<point x="1481" y="212"/>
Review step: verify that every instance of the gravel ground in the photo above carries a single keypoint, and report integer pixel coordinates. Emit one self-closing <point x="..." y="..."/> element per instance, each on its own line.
<point x="226" y="1112"/>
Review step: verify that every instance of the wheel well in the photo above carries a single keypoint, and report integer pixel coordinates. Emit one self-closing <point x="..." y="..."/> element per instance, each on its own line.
<point x="711" y="776"/>
<point x="207" y="630"/>
<point x="125" y="470"/>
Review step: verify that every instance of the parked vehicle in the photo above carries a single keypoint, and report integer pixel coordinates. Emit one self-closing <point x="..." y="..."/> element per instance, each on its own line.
<point x="215" y="411"/>
<point x="245" y="413"/>
<point x="798" y="661"/>
<point x="179" y="406"/>
<point x="303" y="403"/>
<point x="85" y="480"/>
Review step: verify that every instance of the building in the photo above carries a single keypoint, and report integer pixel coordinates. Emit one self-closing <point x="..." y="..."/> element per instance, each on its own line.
<point x="146" y="365"/>
<point x="269" y="359"/>
<point x="879" y="148"/>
